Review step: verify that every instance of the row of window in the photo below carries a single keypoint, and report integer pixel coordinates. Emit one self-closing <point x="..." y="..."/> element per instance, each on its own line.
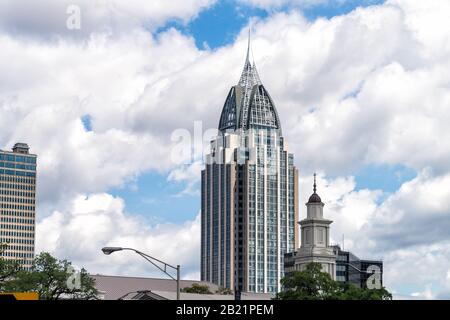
<point x="16" y="220"/>
<point x="13" y="206"/>
<point x="17" y="200"/>
<point x="341" y="257"/>
<point x="17" y="179"/>
<point x="340" y="267"/>
<point x="18" y="173"/>
<point x="17" y="186"/>
<point x="17" y="166"/>
<point x="261" y="288"/>
<point x="18" y="213"/>
<point x="19" y="248"/>
<point x="18" y="241"/>
<point x="16" y="193"/>
<point x="17" y="158"/>
<point x="8" y="233"/>
<point x="18" y="254"/>
<point x="16" y="227"/>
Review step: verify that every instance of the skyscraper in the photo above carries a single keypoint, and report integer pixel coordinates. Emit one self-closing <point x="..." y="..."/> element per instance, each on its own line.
<point x="249" y="202"/>
<point x="18" y="203"/>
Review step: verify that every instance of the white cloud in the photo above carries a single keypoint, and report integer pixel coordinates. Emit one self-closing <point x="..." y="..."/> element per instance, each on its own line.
<point x="417" y="214"/>
<point x="277" y="4"/>
<point x="427" y="294"/>
<point x="48" y="18"/>
<point x="358" y="96"/>
<point x="53" y="86"/>
<point x="408" y="231"/>
<point x="419" y="267"/>
<point x="190" y="174"/>
<point x="93" y="221"/>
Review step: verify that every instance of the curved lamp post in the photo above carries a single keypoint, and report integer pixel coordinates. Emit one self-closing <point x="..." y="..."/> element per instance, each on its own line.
<point x="153" y="261"/>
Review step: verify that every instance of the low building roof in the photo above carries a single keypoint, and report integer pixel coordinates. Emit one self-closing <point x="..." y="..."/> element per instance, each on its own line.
<point x="170" y="295"/>
<point x="131" y="288"/>
<point x="115" y="287"/>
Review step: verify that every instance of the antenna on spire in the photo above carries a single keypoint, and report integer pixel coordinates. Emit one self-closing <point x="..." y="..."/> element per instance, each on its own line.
<point x="249" y="76"/>
<point x="314" y="187"/>
<point x="247" y="60"/>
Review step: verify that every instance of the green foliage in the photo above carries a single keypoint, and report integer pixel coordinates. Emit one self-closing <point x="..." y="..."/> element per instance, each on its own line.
<point x="8" y="268"/>
<point x="351" y="292"/>
<point x="197" y="288"/>
<point x="53" y="279"/>
<point x="313" y="284"/>
<point x="310" y="284"/>
<point x="224" y="291"/>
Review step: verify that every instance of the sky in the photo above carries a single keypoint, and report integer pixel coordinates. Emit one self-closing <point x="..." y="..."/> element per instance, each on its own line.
<point x="362" y="91"/>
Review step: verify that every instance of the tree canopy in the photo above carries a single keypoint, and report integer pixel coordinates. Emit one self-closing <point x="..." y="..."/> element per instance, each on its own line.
<point x="224" y="291"/>
<point x="197" y="288"/>
<point x="8" y="268"/>
<point x="53" y="279"/>
<point x="313" y="284"/>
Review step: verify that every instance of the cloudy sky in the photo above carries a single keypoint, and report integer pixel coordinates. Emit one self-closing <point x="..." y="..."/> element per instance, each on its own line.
<point x="362" y="89"/>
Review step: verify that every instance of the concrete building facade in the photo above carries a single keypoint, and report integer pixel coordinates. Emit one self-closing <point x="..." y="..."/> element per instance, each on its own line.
<point x="18" y="203"/>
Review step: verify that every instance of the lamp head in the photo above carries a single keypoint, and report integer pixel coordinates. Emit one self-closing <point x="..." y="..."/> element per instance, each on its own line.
<point x="109" y="250"/>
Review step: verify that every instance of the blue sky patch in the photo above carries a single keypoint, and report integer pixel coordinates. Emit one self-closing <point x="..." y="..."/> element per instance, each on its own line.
<point x="383" y="177"/>
<point x="220" y="24"/>
<point x="87" y="122"/>
<point x="153" y="196"/>
<point x="336" y="8"/>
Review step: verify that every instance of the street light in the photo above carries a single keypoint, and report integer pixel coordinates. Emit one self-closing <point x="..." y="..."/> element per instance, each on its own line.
<point x="109" y="250"/>
<point x="153" y="261"/>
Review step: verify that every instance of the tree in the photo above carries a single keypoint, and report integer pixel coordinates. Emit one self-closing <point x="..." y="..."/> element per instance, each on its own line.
<point x="8" y="268"/>
<point x="313" y="284"/>
<point x="224" y="291"/>
<point x="197" y="288"/>
<point x="310" y="284"/>
<point x="53" y="279"/>
<point x="352" y="292"/>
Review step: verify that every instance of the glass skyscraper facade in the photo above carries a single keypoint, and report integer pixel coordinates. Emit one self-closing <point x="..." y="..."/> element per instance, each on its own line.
<point x="361" y="273"/>
<point x="249" y="201"/>
<point x="18" y="203"/>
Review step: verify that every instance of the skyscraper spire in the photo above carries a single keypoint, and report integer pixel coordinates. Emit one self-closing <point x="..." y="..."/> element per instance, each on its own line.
<point x="249" y="76"/>
<point x="247" y="60"/>
<point x="247" y="94"/>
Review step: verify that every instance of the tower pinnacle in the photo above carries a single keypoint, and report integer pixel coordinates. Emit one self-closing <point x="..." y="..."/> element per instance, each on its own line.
<point x="248" y="104"/>
<point x="314" y="187"/>
<point x="249" y="76"/>
<point x="247" y="60"/>
<point x="314" y="198"/>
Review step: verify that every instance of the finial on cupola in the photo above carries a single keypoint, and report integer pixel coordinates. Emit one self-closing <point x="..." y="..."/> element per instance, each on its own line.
<point x="314" y="198"/>
<point x="315" y="187"/>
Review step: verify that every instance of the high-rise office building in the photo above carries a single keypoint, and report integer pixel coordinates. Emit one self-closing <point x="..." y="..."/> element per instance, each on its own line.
<point x="18" y="203"/>
<point x="249" y="202"/>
